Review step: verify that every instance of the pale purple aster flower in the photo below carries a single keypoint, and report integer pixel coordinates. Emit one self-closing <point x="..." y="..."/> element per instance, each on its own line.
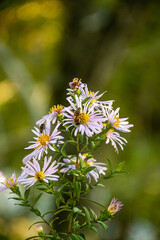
<point x="43" y="142"/>
<point x="114" y="206"/>
<point x="115" y="138"/>
<point x="34" y="172"/>
<point x="118" y="123"/>
<point x="9" y="183"/>
<point x="2" y="177"/>
<point x="55" y="113"/>
<point x="87" y="120"/>
<point x="94" y="97"/>
<point x="100" y="168"/>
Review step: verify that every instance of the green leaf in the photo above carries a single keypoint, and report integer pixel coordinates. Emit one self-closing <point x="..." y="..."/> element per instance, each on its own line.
<point x="77" y="189"/>
<point x="53" y="221"/>
<point x="58" y="201"/>
<point x="64" y="145"/>
<point x="103" y="225"/>
<point x="67" y="133"/>
<point x="36" y="199"/>
<point x="74" y="236"/>
<point x="59" y="189"/>
<point x="26" y="194"/>
<point x="101" y="185"/>
<point x="87" y="215"/>
<point x="72" y="142"/>
<point x="116" y="171"/>
<point x="80" y="137"/>
<point x="81" y="163"/>
<point x="82" y="235"/>
<point x="75" y="172"/>
<point x="48" y="212"/>
<point x="34" y="224"/>
<point x="88" y="169"/>
<point x="37" y="237"/>
<point x="15" y="198"/>
<point x="55" y="236"/>
<point x="120" y="166"/>
<point x="72" y="131"/>
<point x="41" y="187"/>
<point x="36" y="211"/>
<point x="63" y="151"/>
<point x="92" y="144"/>
<point x="87" y="187"/>
<point x="101" y="139"/>
<point x="22" y="204"/>
<point x="75" y="225"/>
<point x="65" y="209"/>
<point x="88" y="157"/>
<point x="93" y="213"/>
<point x="109" y="164"/>
<point x="86" y="100"/>
<point x="72" y="96"/>
<point x="77" y="210"/>
<point x="55" y="155"/>
<point x="93" y="228"/>
<point x="86" y="140"/>
<point x="65" y="220"/>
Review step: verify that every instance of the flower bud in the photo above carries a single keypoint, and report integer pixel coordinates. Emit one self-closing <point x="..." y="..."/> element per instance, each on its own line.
<point x="39" y="229"/>
<point x="114" y="206"/>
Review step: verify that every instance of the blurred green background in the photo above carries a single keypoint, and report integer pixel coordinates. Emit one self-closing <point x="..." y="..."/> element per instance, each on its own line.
<point x="112" y="45"/>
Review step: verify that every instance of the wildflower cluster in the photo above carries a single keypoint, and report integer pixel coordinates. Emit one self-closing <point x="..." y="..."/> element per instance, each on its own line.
<point x="70" y="176"/>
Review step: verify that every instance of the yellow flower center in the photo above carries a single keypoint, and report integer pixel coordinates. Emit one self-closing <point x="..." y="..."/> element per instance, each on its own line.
<point x="77" y="80"/>
<point x="111" y="210"/>
<point x="90" y="94"/>
<point x="43" y="139"/>
<point x="109" y="132"/>
<point x="56" y="109"/>
<point x="83" y="118"/>
<point x="90" y="163"/>
<point x="85" y="154"/>
<point x="39" y="175"/>
<point x="116" y="124"/>
<point x="8" y="185"/>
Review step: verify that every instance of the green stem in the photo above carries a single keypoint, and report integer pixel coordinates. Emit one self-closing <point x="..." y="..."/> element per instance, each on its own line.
<point x="84" y="147"/>
<point x="77" y="152"/>
<point x="34" y="210"/>
<point x="70" y="223"/>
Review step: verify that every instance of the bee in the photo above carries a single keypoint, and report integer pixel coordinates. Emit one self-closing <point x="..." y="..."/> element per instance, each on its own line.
<point x="77" y="112"/>
<point x="42" y="127"/>
<point x="76" y="116"/>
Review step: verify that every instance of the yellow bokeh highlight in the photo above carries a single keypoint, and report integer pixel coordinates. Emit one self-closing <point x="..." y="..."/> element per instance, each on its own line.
<point x="46" y="9"/>
<point x="39" y="40"/>
<point x="51" y="9"/>
<point x="29" y="11"/>
<point x="7" y="91"/>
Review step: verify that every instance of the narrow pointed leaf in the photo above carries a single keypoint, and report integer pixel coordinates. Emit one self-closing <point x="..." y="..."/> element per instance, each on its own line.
<point x="26" y="194"/>
<point x="93" y="213"/>
<point x="87" y="215"/>
<point x="37" y="199"/>
<point x="103" y="225"/>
